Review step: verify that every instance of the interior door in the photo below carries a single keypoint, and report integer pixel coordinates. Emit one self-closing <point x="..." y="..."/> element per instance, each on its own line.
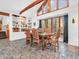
<point x="0" y="26"/>
<point x="66" y="28"/>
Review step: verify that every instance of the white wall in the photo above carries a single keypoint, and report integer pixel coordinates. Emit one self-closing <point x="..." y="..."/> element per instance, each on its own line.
<point x="51" y="14"/>
<point x="9" y="19"/>
<point x="60" y="12"/>
<point x="73" y="28"/>
<point x="14" y="35"/>
<point x="14" y="6"/>
<point x="32" y="14"/>
<point x="72" y="12"/>
<point x="18" y="35"/>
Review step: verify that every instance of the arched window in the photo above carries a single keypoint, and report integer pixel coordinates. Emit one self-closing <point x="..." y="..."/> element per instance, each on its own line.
<point x="62" y="3"/>
<point x="45" y="8"/>
<point x="53" y="5"/>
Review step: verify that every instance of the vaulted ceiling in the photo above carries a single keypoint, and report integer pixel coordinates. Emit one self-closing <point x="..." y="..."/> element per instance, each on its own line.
<point x="14" y="6"/>
<point x="31" y="5"/>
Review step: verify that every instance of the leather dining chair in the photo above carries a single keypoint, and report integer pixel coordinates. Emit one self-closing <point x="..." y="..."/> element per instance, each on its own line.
<point x="36" y="38"/>
<point x="28" y="36"/>
<point x="55" y="40"/>
<point x="48" y="37"/>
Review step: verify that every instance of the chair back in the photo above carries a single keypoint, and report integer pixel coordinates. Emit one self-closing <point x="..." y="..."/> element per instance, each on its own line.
<point x="40" y="30"/>
<point x="47" y="30"/>
<point x="35" y="33"/>
<point x="57" y="35"/>
<point x="28" y="34"/>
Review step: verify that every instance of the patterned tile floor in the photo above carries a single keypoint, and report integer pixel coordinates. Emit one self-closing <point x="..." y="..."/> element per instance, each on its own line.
<point x="19" y="50"/>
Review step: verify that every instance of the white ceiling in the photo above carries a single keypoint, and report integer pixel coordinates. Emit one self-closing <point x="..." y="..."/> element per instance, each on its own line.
<point x="13" y="6"/>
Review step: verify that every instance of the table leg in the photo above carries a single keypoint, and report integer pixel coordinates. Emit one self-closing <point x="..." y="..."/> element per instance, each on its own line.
<point x="43" y="43"/>
<point x="31" y="40"/>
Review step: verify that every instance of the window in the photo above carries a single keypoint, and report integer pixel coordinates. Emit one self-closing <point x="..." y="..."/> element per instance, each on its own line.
<point x="40" y="23"/>
<point x="41" y="12"/>
<point x="62" y="24"/>
<point x="55" y="24"/>
<point x="62" y="3"/>
<point x="45" y="8"/>
<point x="53" y="4"/>
<point x="46" y="23"/>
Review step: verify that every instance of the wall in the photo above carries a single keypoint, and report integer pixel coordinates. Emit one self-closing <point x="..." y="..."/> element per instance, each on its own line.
<point x="54" y="14"/>
<point x="73" y="28"/>
<point x="14" y="35"/>
<point x="72" y="12"/>
<point x="4" y="22"/>
<point x="78" y="21"/>
<point x="9" y="19"/>
<point x="32" y="15"/>
<point x="18" y="35"/>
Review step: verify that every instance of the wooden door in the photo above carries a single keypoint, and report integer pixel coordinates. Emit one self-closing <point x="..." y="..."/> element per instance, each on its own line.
<point x="0" y="26"/>
<point x="7" y="31"/>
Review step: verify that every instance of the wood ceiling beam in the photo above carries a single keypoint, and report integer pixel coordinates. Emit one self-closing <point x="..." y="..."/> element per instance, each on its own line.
<point x="7" y="14"/>
<point x="15" y="15"/>
<point x="49" y="8"/>
<point x="4" y="13"/>
<point x="57" y="4"/>
<point x="18" y="16"/>
<point x="67" y="3"/>
<point x="31" y="5"/>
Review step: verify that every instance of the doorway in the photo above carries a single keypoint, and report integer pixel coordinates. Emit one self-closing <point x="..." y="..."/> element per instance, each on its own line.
<point x="54" y="24"/>
<point x="4" y="29"/>
<point x="0" y="25"/>
<point x="62" y="22"/>
<point x="66" y="28"/>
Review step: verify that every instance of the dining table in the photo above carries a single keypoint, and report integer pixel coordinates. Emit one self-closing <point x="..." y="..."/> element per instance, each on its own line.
<point x="44" y="38"/>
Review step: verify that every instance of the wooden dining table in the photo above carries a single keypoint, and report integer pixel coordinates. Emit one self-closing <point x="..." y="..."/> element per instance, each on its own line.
<point x="43" y="37"/>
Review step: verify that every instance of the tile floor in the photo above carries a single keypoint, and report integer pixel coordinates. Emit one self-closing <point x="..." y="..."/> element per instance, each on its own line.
<point x="19" y="50"/>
